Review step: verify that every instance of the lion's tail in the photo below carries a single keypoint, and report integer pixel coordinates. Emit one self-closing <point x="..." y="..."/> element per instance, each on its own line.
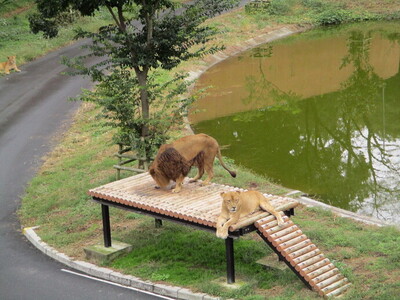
<point x="233" y="173"/>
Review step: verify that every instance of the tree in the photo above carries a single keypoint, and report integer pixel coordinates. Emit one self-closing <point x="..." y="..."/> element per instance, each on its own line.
<point x="160" y="35"/>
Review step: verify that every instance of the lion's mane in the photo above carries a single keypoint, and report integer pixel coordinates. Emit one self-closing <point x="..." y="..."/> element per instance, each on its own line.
<point x="171" y="165"/>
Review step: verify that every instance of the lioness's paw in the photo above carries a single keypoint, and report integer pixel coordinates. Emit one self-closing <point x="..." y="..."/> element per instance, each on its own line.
<point x="176" y="190"/>
<point x="222" y="235"/>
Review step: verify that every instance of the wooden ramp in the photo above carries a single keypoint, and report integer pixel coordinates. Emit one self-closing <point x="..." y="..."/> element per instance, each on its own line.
<point x="302" y="256"/>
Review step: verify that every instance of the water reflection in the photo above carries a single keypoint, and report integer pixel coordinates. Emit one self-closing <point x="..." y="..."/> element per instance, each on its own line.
<point x="336" y="137"/>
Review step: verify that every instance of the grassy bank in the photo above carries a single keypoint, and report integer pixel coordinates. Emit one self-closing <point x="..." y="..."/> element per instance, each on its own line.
<point x="56" y="200"/>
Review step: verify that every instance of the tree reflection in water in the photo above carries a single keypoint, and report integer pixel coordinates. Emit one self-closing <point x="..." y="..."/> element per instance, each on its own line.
<point x="342" y="147"/>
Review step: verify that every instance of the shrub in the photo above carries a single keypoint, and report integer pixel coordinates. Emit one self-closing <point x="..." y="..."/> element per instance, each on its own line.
<point x="333" y="17"/>
<point x="279" y="7"/>
<point x="336" y="16"/>
<point x="316" y="5"/>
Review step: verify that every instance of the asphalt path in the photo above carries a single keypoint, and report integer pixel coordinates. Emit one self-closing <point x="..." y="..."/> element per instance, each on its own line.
<point x="34" y="111"/>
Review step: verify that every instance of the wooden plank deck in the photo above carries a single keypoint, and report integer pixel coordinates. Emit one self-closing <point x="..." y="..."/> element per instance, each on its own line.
<point x="196" y="204"/>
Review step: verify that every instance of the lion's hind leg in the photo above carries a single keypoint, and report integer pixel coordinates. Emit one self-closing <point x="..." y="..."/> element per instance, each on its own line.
<point x="198" y="161"/>
<point x="198" y="176"/>
<point x="208" y="166"/>
<point x="200" y="173"/>
<point x="265" y="205"/>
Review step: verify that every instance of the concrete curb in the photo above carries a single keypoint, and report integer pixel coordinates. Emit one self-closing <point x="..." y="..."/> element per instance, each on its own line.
<point x="339" y="211"/>
<point x="110" y="275"/>
<point x="344" y="213"/>
<point x="161" y="289"/>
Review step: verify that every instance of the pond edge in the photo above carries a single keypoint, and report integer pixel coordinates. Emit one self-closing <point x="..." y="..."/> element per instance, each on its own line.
<point x="269" y="36"/>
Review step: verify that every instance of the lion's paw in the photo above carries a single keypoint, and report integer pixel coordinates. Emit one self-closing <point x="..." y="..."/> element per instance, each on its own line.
<point x="281" y="222"/>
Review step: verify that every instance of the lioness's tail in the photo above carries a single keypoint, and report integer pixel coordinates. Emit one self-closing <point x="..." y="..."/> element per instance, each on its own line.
<point x="233" y="173"/>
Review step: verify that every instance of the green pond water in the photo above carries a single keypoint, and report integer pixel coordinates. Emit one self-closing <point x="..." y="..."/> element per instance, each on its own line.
<point x="318" y="112"/>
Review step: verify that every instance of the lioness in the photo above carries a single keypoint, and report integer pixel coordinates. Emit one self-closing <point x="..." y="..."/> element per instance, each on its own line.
<point x="173" y="161"/>
<point x="10" y="64"/>
<point x="239" y="204"/>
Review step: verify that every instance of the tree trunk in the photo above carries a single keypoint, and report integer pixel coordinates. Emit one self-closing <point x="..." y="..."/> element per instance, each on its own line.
<point x="144" y="100"/>
<point x="144" y="97"/>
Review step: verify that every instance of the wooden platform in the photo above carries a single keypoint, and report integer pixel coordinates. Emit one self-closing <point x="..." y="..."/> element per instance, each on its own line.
<point x="196" y="204"/>
<point x="200" y="206"/>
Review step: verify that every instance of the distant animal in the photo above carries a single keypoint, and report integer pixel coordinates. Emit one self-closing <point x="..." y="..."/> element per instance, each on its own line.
<point x="174" y="161"/>
<point x="238" y="204"/>
<point x="10" y="64"/>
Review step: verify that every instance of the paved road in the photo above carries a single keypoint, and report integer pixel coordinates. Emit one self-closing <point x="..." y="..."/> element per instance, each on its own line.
<point x="33" y="110"/>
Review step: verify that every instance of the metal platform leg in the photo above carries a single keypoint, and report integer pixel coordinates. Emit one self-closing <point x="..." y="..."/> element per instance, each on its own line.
<point x="105" y="213"/>
<point x="230" y="261"/>
<point x="158" y="223"/>
<point x="289" y="212"/>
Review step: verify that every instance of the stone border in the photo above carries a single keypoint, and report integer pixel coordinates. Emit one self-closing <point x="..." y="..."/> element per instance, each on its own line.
<point x="341" y="212"/>
<point x="111" y="275"/>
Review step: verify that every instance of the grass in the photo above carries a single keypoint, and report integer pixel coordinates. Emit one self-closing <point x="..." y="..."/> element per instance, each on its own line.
<point x="327" y="12"/>
<point x="16" y="38"/>
<point x="178" y="255"/>
<point x="56" y="198"/>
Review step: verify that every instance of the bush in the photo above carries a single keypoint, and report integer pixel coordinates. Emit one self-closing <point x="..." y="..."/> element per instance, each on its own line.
<point x="333" y="17"/>
<point x="50" y="25"/>
<point x="279" y="7"/>
<point x="315" y="5"/>
<point x="336" y="16"/>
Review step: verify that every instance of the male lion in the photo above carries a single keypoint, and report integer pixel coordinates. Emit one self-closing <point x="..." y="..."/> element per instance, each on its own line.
<point x="173" y="161"/>
<point x="10" y="64"/>
<point x="239" y="204"/>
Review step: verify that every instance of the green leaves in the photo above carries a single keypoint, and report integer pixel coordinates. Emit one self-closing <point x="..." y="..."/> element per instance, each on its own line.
<point x="119" y="95"/>
<point x="140" y="42"/>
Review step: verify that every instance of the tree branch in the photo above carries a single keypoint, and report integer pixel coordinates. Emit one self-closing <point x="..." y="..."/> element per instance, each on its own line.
<point x="109" y="7"/>
<point x="121" y="19"/>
